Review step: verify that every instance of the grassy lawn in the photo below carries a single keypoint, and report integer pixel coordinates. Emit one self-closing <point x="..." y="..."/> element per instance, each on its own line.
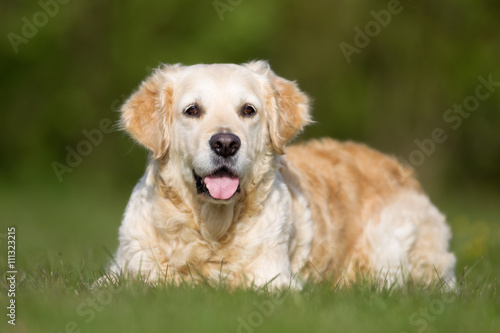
<point x="64" y="235"/>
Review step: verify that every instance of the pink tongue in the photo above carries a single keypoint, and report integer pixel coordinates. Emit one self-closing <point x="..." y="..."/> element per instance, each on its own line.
<point x="222" y="187"/>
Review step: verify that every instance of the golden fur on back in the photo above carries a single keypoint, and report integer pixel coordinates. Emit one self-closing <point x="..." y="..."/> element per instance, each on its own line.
<point x="358" y="184"/>
<point x="312" y="210"/>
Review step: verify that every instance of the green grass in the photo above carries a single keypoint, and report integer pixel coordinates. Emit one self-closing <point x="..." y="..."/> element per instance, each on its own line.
<point x="64" y="235"/>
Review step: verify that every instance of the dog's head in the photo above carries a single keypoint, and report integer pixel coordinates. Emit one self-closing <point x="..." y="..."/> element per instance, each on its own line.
<point x="215" y="123"/>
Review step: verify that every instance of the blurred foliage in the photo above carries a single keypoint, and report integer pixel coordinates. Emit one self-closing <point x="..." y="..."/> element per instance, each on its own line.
<point x="90" y="55"/>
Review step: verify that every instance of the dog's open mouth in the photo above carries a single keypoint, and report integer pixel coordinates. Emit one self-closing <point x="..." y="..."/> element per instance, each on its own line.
<point x="222" y="184"/>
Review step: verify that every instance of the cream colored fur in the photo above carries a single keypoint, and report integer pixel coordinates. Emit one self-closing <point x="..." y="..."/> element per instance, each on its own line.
<point x="321" y="209"/>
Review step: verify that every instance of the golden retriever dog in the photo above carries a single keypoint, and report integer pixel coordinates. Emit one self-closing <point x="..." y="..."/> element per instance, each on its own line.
<point x="224" y="199"/>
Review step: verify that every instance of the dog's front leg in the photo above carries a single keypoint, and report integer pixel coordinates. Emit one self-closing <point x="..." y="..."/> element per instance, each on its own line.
<point x="272" y="268"/>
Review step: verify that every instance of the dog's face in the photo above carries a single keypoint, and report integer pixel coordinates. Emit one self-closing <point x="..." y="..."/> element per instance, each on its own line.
<point x="219" y="127"/>
<point x="215" y="123"/>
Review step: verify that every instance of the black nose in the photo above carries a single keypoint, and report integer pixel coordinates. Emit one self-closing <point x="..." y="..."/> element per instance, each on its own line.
<point x="225" y="144"/>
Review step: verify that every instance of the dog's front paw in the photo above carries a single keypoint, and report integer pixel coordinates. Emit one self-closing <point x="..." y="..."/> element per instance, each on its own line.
<point x="279" y="282"/>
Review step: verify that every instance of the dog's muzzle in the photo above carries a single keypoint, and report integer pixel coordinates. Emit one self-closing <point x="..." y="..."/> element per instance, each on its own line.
<point x="222" y="183"/>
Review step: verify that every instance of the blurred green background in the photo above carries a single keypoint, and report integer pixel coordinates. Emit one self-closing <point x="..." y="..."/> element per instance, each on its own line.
<point x="82" y="63"/>
<point x="67" y="67"/>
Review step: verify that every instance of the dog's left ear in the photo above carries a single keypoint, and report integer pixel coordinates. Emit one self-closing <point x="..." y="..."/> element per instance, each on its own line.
<point x="288" y="107"/>
<point x="146" y="114"/>
<point x="291" y="114"/>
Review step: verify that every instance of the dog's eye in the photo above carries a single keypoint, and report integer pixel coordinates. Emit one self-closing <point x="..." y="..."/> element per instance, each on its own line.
<point x="248" y="110"/>
<point x="192" y="111"/>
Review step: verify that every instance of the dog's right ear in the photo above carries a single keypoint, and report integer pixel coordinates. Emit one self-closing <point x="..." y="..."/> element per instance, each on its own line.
<point x="146" y="114"/>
